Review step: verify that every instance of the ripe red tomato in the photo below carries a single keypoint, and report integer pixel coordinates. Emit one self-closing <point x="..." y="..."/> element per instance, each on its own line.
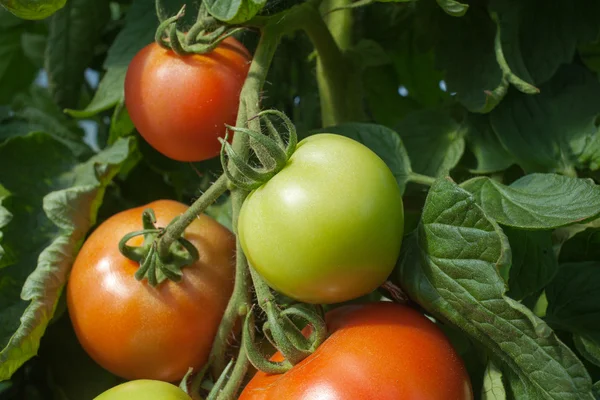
<point x="380" y="351"/>
<point x="180" y="105"/>
<point x="140" y="332"/>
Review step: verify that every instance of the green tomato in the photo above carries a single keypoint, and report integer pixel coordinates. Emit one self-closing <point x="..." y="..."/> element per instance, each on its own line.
<point x="33" y="9"/>
<point x="144" y="389"/>
<point x="328" y="227"/>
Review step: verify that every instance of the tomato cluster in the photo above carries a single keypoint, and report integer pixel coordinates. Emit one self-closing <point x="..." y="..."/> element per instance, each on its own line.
<point x="326" y="228"/>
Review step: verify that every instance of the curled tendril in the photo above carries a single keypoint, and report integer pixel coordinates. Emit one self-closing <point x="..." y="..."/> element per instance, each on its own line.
<point x="203" y="37"/>
<point x="271" y="149"/>
<point x="285" y="336"/>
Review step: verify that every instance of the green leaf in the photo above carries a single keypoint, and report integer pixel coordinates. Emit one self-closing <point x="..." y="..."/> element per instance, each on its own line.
<point x="589" y="347"/>
<point x="386" y="106"/>
<point x="110" y="92"/>
<point x="555" y="130"/>
<point x="538" y="36"/>
<point x="370" y="53"/>
<point x="493" y="387"/>
<point x="453" y="7"/>
<point x="596" y="390"/>
<point x="383" y="141"/>
<point x="537" y="201"/>
<point x="584" y="246"/>
<point x="16" y="70"/>
<point x="449" y="266"/>
<point x="533" y="261"/>
<point x="120" y="124"/>
<point x="36" y="111"/>
<point x="561" y="235"/>
<point x="484" y="143"/>
<point x="434" y="141"/>
<point x="234" y="11"/>
<point x="574" y="298"/>
<point x="464" y="49"/>
<point x="590" y="55"/>
<point x="34" y="47"/>
<point x="33" y="9"/>
<point x="52" y="203"/>
<point x="73" y="33"/>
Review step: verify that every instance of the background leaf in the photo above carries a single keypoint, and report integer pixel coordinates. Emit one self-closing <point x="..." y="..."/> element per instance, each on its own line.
<point x="537" y="201"/>
<point x="16" y="70"/>
<point x="554" y="130"/>
<point x="437" y="132"/>
<point x="74" y="31"/>
<point x="574" y="298"/>
<point x="534" y="263"/>
<point x="449" y="267"/>
<point x="234" y="11"/>
<point x="53" y="209"/>
<point x="491" y="156"/>
<point x="539" y="36"/>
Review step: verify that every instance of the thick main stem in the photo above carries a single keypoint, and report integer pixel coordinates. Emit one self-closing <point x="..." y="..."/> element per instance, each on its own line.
<point x="174" y="231"/>
<point x="240" y="302"/>
<point x="331" y="70"/>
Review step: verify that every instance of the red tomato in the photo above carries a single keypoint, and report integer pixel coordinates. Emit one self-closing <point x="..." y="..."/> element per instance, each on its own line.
<point x="377" y="351"/>
<point x="180" y="105"/>
<point x="140" y="332"/>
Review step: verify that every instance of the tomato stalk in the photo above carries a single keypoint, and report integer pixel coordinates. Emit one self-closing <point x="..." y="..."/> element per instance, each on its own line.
<point x="331" y="70"/>
<point x="281" y="331"/>
<point x="422" y="179"/>
<point x="176" y="229"/>
<point x="240" y="302"/>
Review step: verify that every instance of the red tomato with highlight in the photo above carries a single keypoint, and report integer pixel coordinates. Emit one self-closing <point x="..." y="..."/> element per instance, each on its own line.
<point x="381" y="351"/>
<point x="180" y="104"/>
<point x="141" y="332"/>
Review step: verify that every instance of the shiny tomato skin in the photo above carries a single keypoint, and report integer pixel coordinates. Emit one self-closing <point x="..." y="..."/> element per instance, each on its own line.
<point x="380" y="351"/>
<point x="180" y="104"/>
<point x="139" y="332"/>
<point x="328" y="227"/>
<point x="144" y="389"/>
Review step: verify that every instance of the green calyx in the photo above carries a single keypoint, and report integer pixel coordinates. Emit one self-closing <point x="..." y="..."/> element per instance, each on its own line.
<point x="271" y="150"/>
<point x="153" y="266"/>
<point x="203" y="37"/>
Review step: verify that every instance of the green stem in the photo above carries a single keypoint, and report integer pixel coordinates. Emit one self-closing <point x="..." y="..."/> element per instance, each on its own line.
<point x="422" y="179"/>
<point x="240" y="302"/>
<point x="331" y="70"/>
<point x="174" y="231"/>
<point x="339" y="21"/>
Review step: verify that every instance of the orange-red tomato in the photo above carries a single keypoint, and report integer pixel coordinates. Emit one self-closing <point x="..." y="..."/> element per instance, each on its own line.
<point x="380" y="351"/>
<point x="180" y="105"/>
<point x="140" y="332"/>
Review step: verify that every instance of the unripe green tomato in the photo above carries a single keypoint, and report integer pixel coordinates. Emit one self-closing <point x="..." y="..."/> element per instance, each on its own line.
<point x="144" y="389"/>
<point x="33" y="9"/>
<point x="328" y="227"/>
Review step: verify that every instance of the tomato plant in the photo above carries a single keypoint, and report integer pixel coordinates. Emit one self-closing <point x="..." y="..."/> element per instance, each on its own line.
<point x="328" y="227"/>
<point x="137" y="331"/>
<point x="300" y="156"/>
<point x="144" y="389"/>
<point x="378" y="350"/>
<point x="180" y="104"/>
